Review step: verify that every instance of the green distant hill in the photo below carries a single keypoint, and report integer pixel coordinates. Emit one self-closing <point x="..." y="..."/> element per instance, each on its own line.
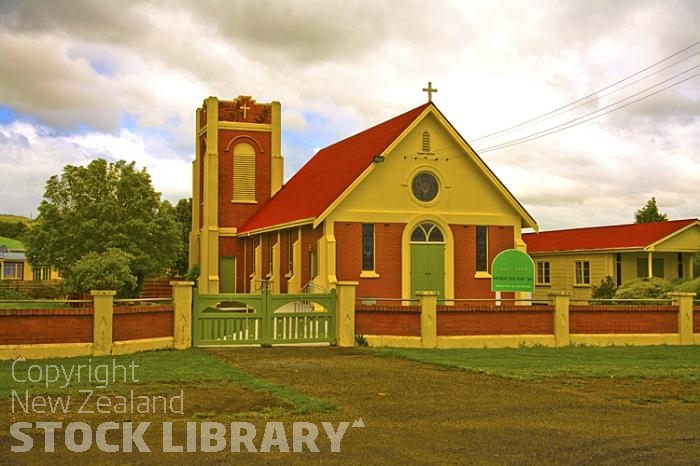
<point x="11" y="244"/>
<point x="13" y="226"/>
<point x="14" y="218"/>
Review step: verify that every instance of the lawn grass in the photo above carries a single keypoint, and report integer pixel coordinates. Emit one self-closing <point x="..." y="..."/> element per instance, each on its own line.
<point x="652" y="362"/>
<point x="154" y="371"/>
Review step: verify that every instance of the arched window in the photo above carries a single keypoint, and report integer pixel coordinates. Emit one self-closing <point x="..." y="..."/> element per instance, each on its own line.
<point x="243" y="173"/>
<point x="427" y="233"/>
<point x="425" y="142"/>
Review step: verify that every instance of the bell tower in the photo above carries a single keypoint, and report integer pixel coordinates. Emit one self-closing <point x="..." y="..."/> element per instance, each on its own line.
<point x="238" y="166"/>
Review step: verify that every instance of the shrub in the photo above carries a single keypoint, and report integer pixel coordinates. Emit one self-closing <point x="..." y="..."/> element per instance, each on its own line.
<point x="193" y="274"/>
<point x="10" y="294"/>
<point x="606" y="290"/>
<point x="104" y="271"/>
<point x="57" y="291"/>
<point x="690" y="286"/>
<point x="644" y="288"/>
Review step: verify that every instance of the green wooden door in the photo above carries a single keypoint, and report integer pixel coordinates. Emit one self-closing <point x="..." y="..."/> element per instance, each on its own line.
<point x="428" y="268"/>
<point x="227" y="275"/>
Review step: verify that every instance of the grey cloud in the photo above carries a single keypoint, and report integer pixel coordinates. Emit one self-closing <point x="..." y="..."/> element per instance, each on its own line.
<point x="103" y="21"/>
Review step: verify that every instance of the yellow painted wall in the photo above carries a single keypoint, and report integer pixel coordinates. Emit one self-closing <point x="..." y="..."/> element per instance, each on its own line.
<point x="466" y="196"/>
<point x="629" y="264"/>
<point x="562" y="270"/>
<point x="686" y="241"/>
<point x="28" y="271"/>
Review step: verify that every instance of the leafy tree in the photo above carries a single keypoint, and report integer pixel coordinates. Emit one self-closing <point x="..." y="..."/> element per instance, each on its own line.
<point x="649" y="213"/>
<point x="108" y="270"/>
<point x="606" y="290"/>
<point x="99" y="207"/>
<point x="183" y="216"/>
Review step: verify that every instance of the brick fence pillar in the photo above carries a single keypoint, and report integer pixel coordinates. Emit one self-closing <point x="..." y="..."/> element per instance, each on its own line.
<point x="345" y="314"/>
<point x="428" y="318"/>
<point x="182" y="314"/>
<point x="102" y="323"/>
<point x="561" y="317"/>
<point x="684" y="301"/>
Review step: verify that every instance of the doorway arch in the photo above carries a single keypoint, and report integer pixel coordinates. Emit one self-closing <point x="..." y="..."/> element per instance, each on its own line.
<point x="427" y="258"/>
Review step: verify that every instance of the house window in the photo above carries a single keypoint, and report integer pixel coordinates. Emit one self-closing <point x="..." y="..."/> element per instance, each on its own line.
<point x="681" y="268"/>
<point x="583" y="273"/>
<point x="425" y="142"/>
<point x="42" y="273"/>
<point x="657" y="268"/>
<point x="290" y="251"/>
<point x="618" y="269"/>
<point x="367" y="246"/>
<point x="271" y="250"/>
<point x="13" y="271"/>
<point x="243" y="173"/>
<point x="482" y="233"/>
<point x="543" y="273"/>
<point x="313" y="264"/>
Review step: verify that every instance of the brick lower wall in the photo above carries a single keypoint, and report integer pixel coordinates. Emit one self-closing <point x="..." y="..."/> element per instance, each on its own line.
<point x="404" y="321"/>
<point x="496" y="320"/>
<point x="623" y="319"/>
<point x="75" y="325"/>
<point x="157" y="288"/>
<point x="139" y="322"/>
<point x="696" y="319"/>
<point x="44" y="326"/>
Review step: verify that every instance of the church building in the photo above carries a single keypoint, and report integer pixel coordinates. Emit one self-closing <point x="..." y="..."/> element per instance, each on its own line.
<point x="404" y="206"/>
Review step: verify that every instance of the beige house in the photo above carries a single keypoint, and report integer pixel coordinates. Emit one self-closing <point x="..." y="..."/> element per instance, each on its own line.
<point x="578" y="259"/>
<point x="14" y="265"/>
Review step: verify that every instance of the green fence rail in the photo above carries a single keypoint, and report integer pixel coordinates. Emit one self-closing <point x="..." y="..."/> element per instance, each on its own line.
<point x="263" y="319"/>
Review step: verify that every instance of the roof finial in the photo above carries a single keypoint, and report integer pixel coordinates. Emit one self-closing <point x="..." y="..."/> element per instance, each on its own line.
<point x="430" y="89"/>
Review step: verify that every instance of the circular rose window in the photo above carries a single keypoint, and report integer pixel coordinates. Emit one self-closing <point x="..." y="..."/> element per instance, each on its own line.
<point x="425" y="186"/>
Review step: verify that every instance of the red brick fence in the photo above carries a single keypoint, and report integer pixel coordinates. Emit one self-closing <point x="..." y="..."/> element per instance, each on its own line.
<point x="560" y="323"/>
<point x="100" y="326"/>
<point x="109" y="326"/>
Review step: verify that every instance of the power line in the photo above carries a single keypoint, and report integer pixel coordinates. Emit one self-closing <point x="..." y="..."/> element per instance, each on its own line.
<point x="582" y="119"/>
<point x="580" y="102"/>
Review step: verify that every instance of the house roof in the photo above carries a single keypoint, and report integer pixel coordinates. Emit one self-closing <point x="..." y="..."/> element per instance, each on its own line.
<point x="328" y="174"/>
<point x="632" y="236"/>
<point x="13" y="256"/>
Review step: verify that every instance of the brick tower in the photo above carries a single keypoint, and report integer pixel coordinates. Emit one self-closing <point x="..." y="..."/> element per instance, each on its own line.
<point x="238" y="166"/>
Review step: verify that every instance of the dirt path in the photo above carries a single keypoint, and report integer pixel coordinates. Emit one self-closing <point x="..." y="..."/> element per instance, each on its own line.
<point x="412" y="413"/>
<point x="420" y="414"/>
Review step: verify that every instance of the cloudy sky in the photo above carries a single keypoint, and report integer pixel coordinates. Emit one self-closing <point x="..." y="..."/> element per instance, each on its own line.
<point x="121" y="80"/>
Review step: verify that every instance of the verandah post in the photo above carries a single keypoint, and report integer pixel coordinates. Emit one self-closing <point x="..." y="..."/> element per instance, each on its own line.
<point x="182" y="314"/>
<point x="102" y="321"/>
<point x="428" y="318"/>
<point x="684" y="301"/>
<point x="345" y="313"/>
<point x="562" y="301"/>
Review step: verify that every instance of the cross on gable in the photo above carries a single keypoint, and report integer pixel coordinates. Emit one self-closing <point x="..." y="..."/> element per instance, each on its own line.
<point x="245" y="109"/>
<point x="430" y="89"/>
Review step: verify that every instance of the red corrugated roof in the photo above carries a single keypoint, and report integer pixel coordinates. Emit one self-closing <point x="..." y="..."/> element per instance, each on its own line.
<point x="328" y="174"/>
<point x="636" y="235"/>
